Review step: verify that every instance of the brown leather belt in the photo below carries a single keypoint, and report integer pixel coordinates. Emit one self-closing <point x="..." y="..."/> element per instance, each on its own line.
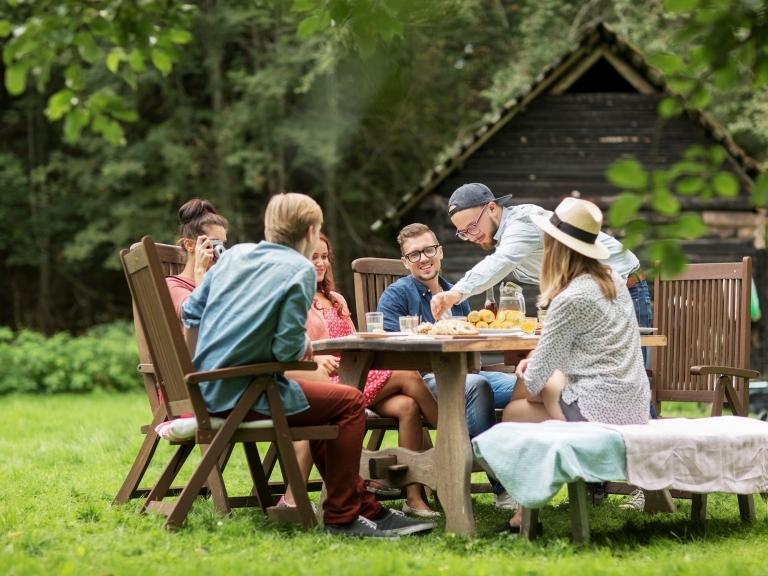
<point x="634" y="278"/>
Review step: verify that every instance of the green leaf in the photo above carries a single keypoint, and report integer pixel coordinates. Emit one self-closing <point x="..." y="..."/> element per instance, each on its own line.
<point x="717" y="155"/>
<point x="667" y="257"/>
<point x="663" y="202"/>
<point x="5" y="28"/>
<point x="760" y="191"/>
<point x="59" y="104"/>
<point x="136" y="60"/>
<point x="667" y="62"/>
<point x="304" y="5"/>
<point x="627" y="173"/>
<point x="74" y="76"/>
<point x="624" y="209"/>
<point x="161" y="60"/>
<point x="111" y="130"/>
<point x="700" y="98"/>
<point x="87" y="47"/>
<point x="681" y="84"/>
<point x="669" y="107"/>
<point x="16" y="78"/>
<point x="312" y="24"/>
<point x="691" y="226"/>
<point x="695" y="152"/>
<point x="180" y="36"/>
<point x="690" y="185"/>
<point x="115" y="56"/>
<point x="680" y="5"/>
<point x="74" y="122"/>
<point x="726" y="185"/>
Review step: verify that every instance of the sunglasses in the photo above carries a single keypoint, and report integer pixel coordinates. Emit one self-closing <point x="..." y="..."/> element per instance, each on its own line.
<point x="473" y="229"/>
<point x="415" y="256"/>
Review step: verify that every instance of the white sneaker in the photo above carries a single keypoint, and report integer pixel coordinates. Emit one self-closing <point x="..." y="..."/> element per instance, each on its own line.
<point x="636" y="501"/>
<point x="505" y="501"/>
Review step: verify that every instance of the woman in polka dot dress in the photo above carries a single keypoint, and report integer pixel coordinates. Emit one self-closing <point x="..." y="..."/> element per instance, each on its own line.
<point x="397" y="394"/>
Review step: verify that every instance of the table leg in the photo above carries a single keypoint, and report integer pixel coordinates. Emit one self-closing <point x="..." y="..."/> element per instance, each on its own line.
<point x="354" y="367"/>
<point x="453" y="452"/>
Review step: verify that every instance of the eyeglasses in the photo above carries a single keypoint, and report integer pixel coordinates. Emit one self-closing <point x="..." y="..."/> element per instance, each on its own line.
<point x="429" y="252"/>
<point x="473" y="229"/>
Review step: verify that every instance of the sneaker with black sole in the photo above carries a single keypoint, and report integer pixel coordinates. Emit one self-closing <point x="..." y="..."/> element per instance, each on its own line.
<point x="361" y="527"/>
<point x="397" y="522"/>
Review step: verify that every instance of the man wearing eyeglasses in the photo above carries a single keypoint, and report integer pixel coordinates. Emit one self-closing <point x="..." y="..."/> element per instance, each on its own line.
<point x="518" y="247"/>
<point x="410" y="296"/>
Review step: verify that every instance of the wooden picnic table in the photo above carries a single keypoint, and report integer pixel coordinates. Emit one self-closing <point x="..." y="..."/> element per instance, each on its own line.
<point x="447" y="467"/>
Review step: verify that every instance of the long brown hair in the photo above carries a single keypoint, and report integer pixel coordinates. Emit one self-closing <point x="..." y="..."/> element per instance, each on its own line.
<point x="196" y="215"/>
<point x="562" y="264"/>
<point x="327" y="285"/>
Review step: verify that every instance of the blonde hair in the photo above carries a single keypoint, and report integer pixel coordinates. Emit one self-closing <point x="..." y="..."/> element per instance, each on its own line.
<point x="288" y="216"/>
<point x="562" y="264"/>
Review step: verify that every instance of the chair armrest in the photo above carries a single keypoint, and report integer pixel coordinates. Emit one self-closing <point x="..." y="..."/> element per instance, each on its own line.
<point x="145" y="369"/>
<point x="247" y="370"/>
<point x="729" y="370"/>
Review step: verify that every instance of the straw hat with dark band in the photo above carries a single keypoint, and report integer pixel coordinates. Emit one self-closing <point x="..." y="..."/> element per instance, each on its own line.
<point x="575" y="223"/>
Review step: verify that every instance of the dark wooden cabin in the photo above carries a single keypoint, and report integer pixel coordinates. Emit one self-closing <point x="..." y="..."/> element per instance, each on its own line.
<point x="596" y="104"/>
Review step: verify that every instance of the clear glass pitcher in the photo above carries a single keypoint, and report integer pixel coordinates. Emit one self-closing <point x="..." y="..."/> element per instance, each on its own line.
<point x="511" y="305"/>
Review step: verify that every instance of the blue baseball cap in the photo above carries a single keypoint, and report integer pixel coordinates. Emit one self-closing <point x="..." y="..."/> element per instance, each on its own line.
<point x="474" y="194"/>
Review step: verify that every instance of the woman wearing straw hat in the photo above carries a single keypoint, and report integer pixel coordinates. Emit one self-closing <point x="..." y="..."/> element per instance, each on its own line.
<point x="590" y="343"/>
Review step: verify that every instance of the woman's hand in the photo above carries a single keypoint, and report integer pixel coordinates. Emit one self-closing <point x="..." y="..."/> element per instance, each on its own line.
<point x="327" y="364"/>
<point x="522" y="366"/>
<point x="203" y="257"/>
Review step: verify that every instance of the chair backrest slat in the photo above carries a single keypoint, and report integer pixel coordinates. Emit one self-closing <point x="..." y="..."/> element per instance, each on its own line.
<point x="172" y="260"/>
<point x="372" y="276"/>
<point x="704" y="313"/>
<point x="164" y="339"/>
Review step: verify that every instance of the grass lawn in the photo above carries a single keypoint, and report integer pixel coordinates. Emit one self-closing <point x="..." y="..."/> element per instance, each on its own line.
<point x="62" y="459"/>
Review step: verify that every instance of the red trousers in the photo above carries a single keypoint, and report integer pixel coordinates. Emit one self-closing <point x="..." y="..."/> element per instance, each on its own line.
<point x="338" y="460"/>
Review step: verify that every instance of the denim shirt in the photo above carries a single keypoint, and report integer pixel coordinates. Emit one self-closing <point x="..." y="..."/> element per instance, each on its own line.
<point x="520" y="251"/>
<point x="409" y="297"/>
<point x="251" y="307"/>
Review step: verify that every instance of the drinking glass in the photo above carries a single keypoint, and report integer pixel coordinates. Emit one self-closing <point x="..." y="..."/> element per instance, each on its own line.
<point x="409" y="323"/>
<point x="374" y="321"/>
<point x="529" y="325"/>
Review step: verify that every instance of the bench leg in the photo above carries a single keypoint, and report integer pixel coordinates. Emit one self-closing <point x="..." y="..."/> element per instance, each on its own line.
<point x="529" y="526"/>
<point x="577" y="501"/>
<point x="747" y="507"/>
<point x="698" y="507"/>
<point x="659" y="501"/>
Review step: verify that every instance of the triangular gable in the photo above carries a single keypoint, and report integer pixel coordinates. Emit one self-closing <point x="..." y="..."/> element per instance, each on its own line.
<point x="598" y="42"/>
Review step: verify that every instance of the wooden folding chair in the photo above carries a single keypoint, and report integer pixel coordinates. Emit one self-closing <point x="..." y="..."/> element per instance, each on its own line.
<point x="181" y="393"/>
<point x="172" y="259"/>
<point x="704" y="313"/>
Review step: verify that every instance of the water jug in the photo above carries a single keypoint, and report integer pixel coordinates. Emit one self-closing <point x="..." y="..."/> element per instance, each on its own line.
<point x="512" y="304"/>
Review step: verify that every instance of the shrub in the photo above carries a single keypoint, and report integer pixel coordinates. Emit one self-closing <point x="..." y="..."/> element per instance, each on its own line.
<point x="103" y="358"/>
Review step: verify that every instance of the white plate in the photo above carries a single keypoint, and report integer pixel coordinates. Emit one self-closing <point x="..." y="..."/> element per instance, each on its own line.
<point x="647" y="331"/>
<point x="501" y="331"/>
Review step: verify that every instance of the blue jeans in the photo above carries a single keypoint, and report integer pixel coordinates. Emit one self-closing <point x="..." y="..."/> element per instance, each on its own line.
<point x="641" y="298"/>
<point x="479" y="405"/>
<point x="502" y="384"/>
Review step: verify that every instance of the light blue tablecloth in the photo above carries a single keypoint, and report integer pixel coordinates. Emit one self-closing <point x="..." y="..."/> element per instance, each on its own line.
<point x="533" y="461"/>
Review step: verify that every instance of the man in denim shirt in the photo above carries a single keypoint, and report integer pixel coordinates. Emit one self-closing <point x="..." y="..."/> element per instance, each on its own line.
<point x="410" y="296"/>
<point x="518" y="247"/>
<point x="252" y="307"/>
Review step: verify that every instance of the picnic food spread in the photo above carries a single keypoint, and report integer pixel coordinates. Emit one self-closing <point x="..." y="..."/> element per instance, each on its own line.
<point x="447" y="327"/>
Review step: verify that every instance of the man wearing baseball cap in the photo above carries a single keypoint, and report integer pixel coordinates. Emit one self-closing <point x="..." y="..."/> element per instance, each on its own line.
<point x="518" y="247"/>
